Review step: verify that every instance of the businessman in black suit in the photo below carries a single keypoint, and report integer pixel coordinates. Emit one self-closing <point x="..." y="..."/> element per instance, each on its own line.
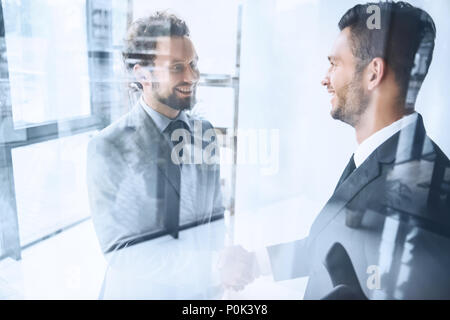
<point x="385" y="231"/>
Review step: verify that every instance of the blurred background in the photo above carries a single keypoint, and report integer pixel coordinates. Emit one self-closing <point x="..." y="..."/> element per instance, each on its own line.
<point x="261" y="63"/>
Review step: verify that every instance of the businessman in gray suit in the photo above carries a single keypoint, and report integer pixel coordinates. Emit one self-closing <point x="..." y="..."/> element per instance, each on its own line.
<point x="155" y="170"/>
<point x="385" y="231"/>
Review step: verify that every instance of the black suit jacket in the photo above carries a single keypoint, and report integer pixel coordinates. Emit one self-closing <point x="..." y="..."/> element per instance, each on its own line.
<point x="392" y="216"/>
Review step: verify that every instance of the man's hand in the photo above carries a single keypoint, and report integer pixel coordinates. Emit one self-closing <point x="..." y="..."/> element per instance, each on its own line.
<point x="237" y="267"/>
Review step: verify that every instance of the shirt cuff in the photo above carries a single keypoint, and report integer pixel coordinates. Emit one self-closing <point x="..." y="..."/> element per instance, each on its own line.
<point x="263" y="260"/>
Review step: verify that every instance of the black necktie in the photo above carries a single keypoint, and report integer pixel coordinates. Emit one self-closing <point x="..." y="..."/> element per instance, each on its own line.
<point x="171" y="199"/>
<point x="174" y="125"/>
<point x="351" y="166"/>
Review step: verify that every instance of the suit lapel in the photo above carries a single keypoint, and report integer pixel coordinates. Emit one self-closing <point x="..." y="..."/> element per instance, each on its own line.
<point x="362" y="176"/>
<point x="152" y="147"/>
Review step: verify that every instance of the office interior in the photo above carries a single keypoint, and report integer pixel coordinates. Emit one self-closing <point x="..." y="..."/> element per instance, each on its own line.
<point x="261" y="65"/>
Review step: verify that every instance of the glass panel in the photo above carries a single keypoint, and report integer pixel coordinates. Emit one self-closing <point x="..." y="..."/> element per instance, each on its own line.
<point x="216" y="105"/>
<point x="47" y="56"/>
<point x="50" y="183"/>
<point x="119" y="21"/>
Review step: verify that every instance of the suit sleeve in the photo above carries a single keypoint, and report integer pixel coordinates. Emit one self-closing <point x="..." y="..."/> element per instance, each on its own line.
<point x="105" y="172"/>
<point x="119" y="211"/>
<point x="289" y="260"/>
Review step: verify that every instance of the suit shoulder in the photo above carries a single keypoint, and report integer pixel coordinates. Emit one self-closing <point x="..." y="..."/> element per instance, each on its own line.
<point x="110" y="137"/>
<point x="114" y="133"/>
<point x="116" y="129"/>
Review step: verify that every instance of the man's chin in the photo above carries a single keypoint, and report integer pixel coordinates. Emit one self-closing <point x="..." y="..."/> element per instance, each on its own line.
<point x="185" y="105"/>
<point x="335" y="113"/>
<point x="179" y="104"/>
<point x="339" y="114"/>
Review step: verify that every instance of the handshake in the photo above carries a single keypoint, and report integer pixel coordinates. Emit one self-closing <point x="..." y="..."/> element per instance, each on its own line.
<point x="238" y="267"/>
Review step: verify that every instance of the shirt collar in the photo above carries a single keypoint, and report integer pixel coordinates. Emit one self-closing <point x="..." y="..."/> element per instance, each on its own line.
<point x="161" y="120"/>
<point x="368" y="146"/>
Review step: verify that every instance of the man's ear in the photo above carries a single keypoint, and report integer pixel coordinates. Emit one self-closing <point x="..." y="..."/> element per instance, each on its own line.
<point x="143" y="76"/>
<point x="376" y="71"/>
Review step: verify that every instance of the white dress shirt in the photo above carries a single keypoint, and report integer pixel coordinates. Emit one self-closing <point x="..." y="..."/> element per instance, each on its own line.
<point x="364" y="150"/>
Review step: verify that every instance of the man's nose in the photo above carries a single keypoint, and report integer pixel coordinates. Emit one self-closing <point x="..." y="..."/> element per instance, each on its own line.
<point x="326" y="81"/>
<point x="191" y="75"/>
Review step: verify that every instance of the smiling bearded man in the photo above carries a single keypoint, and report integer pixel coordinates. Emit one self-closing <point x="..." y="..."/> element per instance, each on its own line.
<point x="136" y="189"/>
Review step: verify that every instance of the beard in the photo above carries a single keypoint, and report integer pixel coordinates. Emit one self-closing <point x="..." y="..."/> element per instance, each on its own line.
<point x="174" y="101"/>
<point x="352" y="102"/>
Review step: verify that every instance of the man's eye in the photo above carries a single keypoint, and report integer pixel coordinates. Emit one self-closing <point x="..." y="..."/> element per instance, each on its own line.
<point x="194" y="66"/>
<point x="177" y="68"/>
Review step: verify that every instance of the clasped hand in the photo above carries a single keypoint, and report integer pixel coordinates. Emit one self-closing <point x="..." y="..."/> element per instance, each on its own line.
<point x="238" y="267"/>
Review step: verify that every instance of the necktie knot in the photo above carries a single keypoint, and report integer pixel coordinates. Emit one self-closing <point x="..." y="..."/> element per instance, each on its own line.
<point x="178" y="136"/>
<point x="174" y="125"/>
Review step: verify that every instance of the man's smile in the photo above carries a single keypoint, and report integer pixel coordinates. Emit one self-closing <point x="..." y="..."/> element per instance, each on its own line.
<point x="185" y="90"/>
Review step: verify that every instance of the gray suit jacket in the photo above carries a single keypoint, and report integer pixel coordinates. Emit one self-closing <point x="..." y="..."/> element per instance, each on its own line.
<point x="392" y="216"/>
<point x="133" y="185"/>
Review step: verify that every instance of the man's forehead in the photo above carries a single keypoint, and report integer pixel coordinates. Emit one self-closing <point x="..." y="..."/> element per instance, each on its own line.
<point x="175" y="49"/>
<point x="342" y="46"/>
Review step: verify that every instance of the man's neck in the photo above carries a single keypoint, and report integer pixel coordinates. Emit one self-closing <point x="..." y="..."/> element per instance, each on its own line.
<point x="161" y="108"/>
<point x="376" y="118"/>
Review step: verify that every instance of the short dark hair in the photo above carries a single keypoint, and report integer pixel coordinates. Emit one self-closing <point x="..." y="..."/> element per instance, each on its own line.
<point x="140" y="42"/>
<point x="404" y="32"/>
